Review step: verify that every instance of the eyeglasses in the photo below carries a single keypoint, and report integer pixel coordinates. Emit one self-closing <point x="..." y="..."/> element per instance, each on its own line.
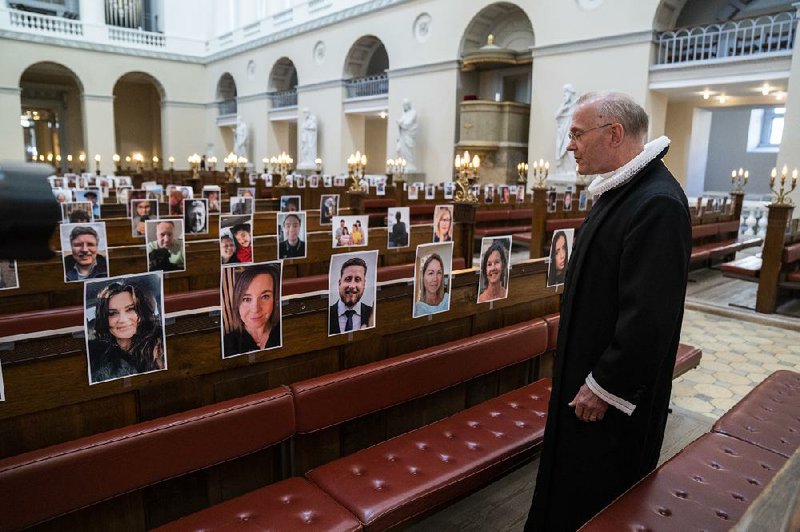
<point x="574" y="137"/>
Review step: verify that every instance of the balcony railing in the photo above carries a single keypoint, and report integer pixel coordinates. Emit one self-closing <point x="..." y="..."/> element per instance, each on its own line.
<point x="227" y="107"/>
<point x="144" y="38"/>
<point x="741" y="38"/>
<point x="283" y="98"/>
<point x="45" y="23"/>
<point x="369" y="86"/>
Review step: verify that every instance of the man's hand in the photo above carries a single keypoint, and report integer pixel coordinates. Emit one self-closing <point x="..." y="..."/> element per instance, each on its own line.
<point x="588" y="406"/>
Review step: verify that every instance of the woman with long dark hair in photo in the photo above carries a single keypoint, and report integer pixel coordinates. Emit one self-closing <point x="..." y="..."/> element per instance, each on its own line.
<point x="255" y="310"/>
<point x="559" y="257"/>
<point x="128" y="332"/>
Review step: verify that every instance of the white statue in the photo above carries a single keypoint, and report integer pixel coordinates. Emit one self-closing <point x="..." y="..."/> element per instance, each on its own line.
<point x="407" y="136"/>
<point x="563" y="122"/>
<point x="240" y="138"/>
<point x="308" y="141"/>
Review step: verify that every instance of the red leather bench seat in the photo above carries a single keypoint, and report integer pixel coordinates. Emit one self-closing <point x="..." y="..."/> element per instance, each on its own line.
<point x="554" y="224"/>
<point x="793" y="277"/>
<point x="415" y="472"/>
<point x="768" y="416"/>
<point x="707" y="486"/>
<point x="746" y="267"/>
<point x="791" y="253"/>
<point x="46" y="483"/>
<point x="688" y="357"/>
<point x="291" y="505"/>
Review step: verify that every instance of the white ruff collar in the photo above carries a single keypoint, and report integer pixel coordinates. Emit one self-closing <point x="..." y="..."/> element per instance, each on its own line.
<point x="620" y="176"/>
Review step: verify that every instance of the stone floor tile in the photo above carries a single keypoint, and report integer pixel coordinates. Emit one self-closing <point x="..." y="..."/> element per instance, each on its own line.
<point x="714" y="390"/>
<point x="732" y="378"/>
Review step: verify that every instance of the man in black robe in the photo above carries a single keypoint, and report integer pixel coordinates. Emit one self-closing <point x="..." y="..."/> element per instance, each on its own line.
<point x="621" y="314"/>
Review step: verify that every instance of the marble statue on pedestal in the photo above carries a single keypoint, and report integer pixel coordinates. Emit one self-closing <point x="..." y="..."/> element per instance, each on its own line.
<point x="240" y="138"/>
<point x="565" y="162"/>
<point x="308" y="141"/>
<point x="407" y="136"/>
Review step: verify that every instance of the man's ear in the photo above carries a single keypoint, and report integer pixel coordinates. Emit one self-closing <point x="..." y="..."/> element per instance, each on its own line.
<point x="617" y="134"/>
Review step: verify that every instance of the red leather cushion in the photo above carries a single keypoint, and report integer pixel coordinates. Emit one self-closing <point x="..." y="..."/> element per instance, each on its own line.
<point x="290" y="505"/>
<point x="768" y="416"/>
<point x="43" y="484"/>
<point x="793" y="277"/>
<point x="707" y="486"/>
<point x="552" y="320"/>
<point x="337" y="397"/>
<point x="688" y="357"/>
<point x="554" y="224"/>
<point x="746" y="266"/>
<point x="400" y="478"/>
<point x="791" y="253"/>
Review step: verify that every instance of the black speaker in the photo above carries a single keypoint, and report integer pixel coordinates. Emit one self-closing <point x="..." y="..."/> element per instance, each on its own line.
<point x="29" y="213"/>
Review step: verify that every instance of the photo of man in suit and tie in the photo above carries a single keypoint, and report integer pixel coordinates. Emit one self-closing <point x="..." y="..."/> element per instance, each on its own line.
<point x="352" y="289"/>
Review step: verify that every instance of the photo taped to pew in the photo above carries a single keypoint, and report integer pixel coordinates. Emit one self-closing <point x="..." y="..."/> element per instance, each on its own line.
<point x="124" y="326"/>
<point x="495" y="268"/>
<point x="84" y="251"/>
<point x="432" y="279"/>
<point x="350" y="231"/>
<point x="236" y="239"/>
<point x="443" y="223"/>
<point x="250" y="302"/>
<point x="290" y="203"/>
<point x="213" y="194"/>
<point x="2" y="385"/>
<point x="241" y="205"/>
<point x="352" y="287"/>
<point x="9" y="279"/>
<point x="141" y="211"/>
<point x="165" y="245"/>
<point x="195" y="216"/>
<point x="328" y="208"/>
<point x="76" y="211"/>
<point x="560" y="252"/>
<point x="398" y="222"/>
<point x="291" y="235"/>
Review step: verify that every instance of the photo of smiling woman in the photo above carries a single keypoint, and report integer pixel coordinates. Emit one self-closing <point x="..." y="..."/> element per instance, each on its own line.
<point x="124" y="321"/>
<point x="495" y="266"/>
<point x="432" y="279"/>
<point x="251" y="308"/>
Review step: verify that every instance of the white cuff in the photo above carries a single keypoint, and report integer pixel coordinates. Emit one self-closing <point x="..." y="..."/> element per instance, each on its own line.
<point x="610" y="398"/>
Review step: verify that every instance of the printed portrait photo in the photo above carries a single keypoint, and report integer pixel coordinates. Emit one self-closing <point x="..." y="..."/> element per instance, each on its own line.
<point x="339" y="181"/>
<point x="76" y="212"/>
<point x="432" y="279"/>
<point x="300" y="181"/>
<point x="124" y="325"/>
<point x="327" y="181"/>
<point x="290" y="181"/>
<point x="236" y="239"/>
<point x="195" y="216"/>
<point x="582" y="197"/>
<point x="568" y="199"/>
<point x="350" y="231"/>
<point x="398" y="223"/>
<point x="413" y="193"/>
<point x="380" y="189"/>
<point x="84" y="251"/>
<point x="246" y="192"/>
<point x="290" y="203"/>
<point x="328" y="208"/>
<point x="141" y="211"/>
<point x="505" y="194"/>
<point x="9" y="278"/>
<point x="430" y="191"/>
<point x="313" y="181"/>
<point x="214" y="196"/>
<point x="495" y="268"/>
<point x="122" y="196"/>
<point x="520" y="193"/>
<point x="62" y="195"/>
<point x="268" y="180"/>
<point x="2" y="385"/>
<point x="250" y="302"/>
<point x="351" y="292"/>
<point x="488" y="194"/>
<point x="124" y="181"/>
<point x="175" y="202"/>
<point x="165" y="245"/>
<point x="552" y="197"/>
<point x="449" y="190"/>
<point x="443" y="223"/>
<point x="241" y="205"/>
<point x="91" y="196"/>
<point x="560" y="251"/>
<point x="292" y="235"/>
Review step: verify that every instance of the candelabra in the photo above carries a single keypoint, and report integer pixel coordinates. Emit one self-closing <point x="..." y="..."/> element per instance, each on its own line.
<point x="138" y="158"/>
<point x="739" y="180"/>
<point x="127" y="163"/>
<point x="69" y="163"/>
<point x="116" y="160"/>
<point x="781" y="194"/>
<point x="541" y="169"/>
<point x="242" y="161"/>
<point x="171" y="163"/>
<point x="156" y="161"/>
<point x="265" y="162"/>
<point x="318" y="164"/>
<point x="212" y="164"/>
<point x="283" y="163"/>
<point x="82" y="159"/>
<point x="97" y="163"/>
<point x="355" y="168"/>
<point x="230" y="166"/>
<point x="522" y="171"/>
<point x="58" y="163"/>
<point x="194" y="162"/>
<point x="466" y="174"/>
<point x="396" y="169"/>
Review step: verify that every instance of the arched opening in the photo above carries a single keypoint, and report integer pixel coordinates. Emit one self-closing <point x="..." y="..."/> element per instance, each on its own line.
<point x="52" y="115"/>
<point x="494" y="91"/>
<point x="226" y="95"/>
<point x="283" y="99"/>
<point x="137" y="116"/>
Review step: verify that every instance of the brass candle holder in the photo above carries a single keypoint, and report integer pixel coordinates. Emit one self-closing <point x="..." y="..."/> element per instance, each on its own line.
<point x="69" y="163"/>
<point x="782" y="194"/>
<point x="212" y="164"/>
<point x="242" y="163"/>
<point x="396" y="169"/>
<point x="356" y="163"/>
<point x="82" y="159"/>
<point x="230" y="166"/>
<point x="466" y="175"/>
<point x="522" y="171"/>
<point x="194" y="162"/>
<point x="739" y="179"/>
<point x="541" y="169"/>
<point x="171" y="163"/>
<point x="318" y="165"/>
<point x="97" y="164"/>
<point x="283" y="164"/>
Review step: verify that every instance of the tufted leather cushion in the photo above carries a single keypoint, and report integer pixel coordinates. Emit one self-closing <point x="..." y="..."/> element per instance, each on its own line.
<point x="400" y="478"/>
<point x="688" y="357"/>
<point x="291" y="505"/>
<point x="744" y="267"/>
<point x="768" y="416"/>
<point x="554" y="224"/>
<point x="337" y="397"/>
<point x="707" y="486"/>
<point x="43" y="484"/>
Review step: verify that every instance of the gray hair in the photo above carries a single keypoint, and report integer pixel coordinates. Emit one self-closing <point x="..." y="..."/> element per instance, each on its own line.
<point x="617" y="107"/>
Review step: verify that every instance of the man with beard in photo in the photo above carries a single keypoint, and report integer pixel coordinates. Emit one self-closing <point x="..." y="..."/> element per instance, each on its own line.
<point x="348" y="314"/>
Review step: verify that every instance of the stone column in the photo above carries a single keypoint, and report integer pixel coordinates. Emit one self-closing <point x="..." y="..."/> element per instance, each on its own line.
<point x="100" y="137"/>
<point x="789" y="153"/>
<point x="12" y="141"/>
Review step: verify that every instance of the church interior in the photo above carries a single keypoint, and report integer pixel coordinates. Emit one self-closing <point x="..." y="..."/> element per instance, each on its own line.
<point x="198" y="149"/>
